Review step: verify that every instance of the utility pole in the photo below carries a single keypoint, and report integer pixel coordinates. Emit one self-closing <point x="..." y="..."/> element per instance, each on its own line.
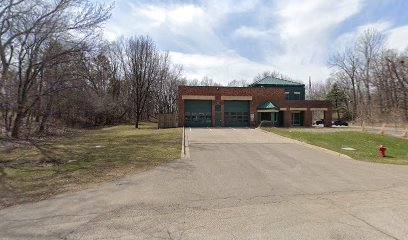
<point x="310" y="88"/>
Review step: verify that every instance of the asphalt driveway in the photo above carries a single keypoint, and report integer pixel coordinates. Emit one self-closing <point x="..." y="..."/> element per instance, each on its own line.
<point x="237" y="184"/>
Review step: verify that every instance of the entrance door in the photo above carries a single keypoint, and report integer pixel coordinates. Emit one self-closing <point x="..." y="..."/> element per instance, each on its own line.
<point x="296" y="119"/>
<point x="268" y="119"/>
<point x="266" y="116"/>
<point x="281" y="115"/>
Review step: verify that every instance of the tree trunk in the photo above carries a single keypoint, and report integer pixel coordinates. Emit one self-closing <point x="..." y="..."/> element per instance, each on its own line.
<point x="137" y="120"/>
<point x="28" y="123"/>
<point x="18" y="121"/>
<point x="368" y="101"/>
<point x="45" y="117"/>
<point x="405" y="101"/>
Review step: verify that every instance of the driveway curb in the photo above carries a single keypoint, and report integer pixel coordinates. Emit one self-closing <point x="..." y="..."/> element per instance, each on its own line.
<point x="185" y="150"/>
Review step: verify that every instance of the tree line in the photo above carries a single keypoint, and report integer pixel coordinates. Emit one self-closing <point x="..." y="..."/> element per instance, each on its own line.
<point x="369" y="81"/>
<point x="57" y="69"/>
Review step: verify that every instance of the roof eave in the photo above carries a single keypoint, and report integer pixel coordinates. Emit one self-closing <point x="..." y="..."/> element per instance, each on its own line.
<point x="277" y="85"/>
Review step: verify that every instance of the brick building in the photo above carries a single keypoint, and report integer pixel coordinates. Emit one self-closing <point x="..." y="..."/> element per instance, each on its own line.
<point x="271" y="100"/>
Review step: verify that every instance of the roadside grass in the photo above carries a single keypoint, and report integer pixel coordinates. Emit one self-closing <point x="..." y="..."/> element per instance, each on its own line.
<point x="36" y="171"/>
<point x="365" y="144"/>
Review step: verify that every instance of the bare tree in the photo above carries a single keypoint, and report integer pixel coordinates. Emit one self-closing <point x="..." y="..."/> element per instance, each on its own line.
<point x="27" y="27"/>
<point x="346" y="65"/>
<point x="320" y="90"/>
<point x="368" y="46"/>
<point x="141" y="65"/>
<point x="274" y="73"/>
<point x="238" y="83"/>
<point x="373" y="78"/>
<point x="166" y="88"/>
<point x="398" y="69"/>
<point x="54" y="67"/>
<point x="205" y="81"/>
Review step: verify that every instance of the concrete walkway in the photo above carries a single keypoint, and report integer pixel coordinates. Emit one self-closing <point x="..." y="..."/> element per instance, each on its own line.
<point x="237" y="184"/>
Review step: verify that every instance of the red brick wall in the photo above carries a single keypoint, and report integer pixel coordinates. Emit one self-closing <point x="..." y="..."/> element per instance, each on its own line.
<point x="327" y="118"/>
<point x="259" y="95"/>
<point x="307" y="118"/>
<point x="287" y="118"/>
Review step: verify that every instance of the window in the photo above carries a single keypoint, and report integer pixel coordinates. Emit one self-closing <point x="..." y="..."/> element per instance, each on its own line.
<point x="236" y="118"/>
<point x="286" y="95"/>
<point x="296" y="96"/>
<point x="187" y="116"/>
<point x="196" y="117"/>
<point x="295" y="118"/>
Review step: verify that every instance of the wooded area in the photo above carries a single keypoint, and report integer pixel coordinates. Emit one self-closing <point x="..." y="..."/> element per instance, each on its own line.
<point x="373" y="78"/>
<point x="56" y="69"/>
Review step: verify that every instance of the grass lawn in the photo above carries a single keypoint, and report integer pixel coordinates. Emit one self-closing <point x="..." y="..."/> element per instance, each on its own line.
<point x="36" y="171"/>
<point x="364" y="143"/>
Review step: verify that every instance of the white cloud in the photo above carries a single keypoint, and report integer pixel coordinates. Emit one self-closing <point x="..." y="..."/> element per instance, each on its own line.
<point x="185" y="27"/>
<point x="248" y="32"/>
<point x="190" y="32"/>
<point x="293" y="36"/>
<point x="220" y="9"/>
<point x="379" y="26"/>
<point x="185" y="15"/>
<point x="153" y="16"/>
<point x="305" y="28"/>
<point x="175" y="15"/>
<point x="222" y="68"/>
<point x="397" y="38"/>
<point x="348" y="39"/>
<point x="313" y="16"/>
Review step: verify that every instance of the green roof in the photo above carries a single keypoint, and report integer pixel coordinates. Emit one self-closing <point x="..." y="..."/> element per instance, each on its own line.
<point x="273" y="81"/>
<point x="267" y="105"/>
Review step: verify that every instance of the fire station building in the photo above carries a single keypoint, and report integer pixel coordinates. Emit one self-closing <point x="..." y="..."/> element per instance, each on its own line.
<point x="270" y="101"/>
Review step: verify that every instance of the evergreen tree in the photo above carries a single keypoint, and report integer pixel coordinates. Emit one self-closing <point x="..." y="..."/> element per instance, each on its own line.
<point x="338" y="99"/>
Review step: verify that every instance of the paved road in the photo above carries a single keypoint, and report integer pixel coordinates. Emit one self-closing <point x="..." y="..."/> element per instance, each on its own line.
<point x="237" y="184"/>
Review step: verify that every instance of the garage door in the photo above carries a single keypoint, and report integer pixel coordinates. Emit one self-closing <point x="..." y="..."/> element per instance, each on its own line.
<point x="236" y="113"/>
<point x="197" y="113"/>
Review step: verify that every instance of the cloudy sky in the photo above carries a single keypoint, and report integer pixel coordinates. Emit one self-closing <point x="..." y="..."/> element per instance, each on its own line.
<point x="227" y="39"/>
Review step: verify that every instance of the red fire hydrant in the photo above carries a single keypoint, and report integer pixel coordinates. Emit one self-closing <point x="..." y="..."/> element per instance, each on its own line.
<point x="382" y="150"/>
